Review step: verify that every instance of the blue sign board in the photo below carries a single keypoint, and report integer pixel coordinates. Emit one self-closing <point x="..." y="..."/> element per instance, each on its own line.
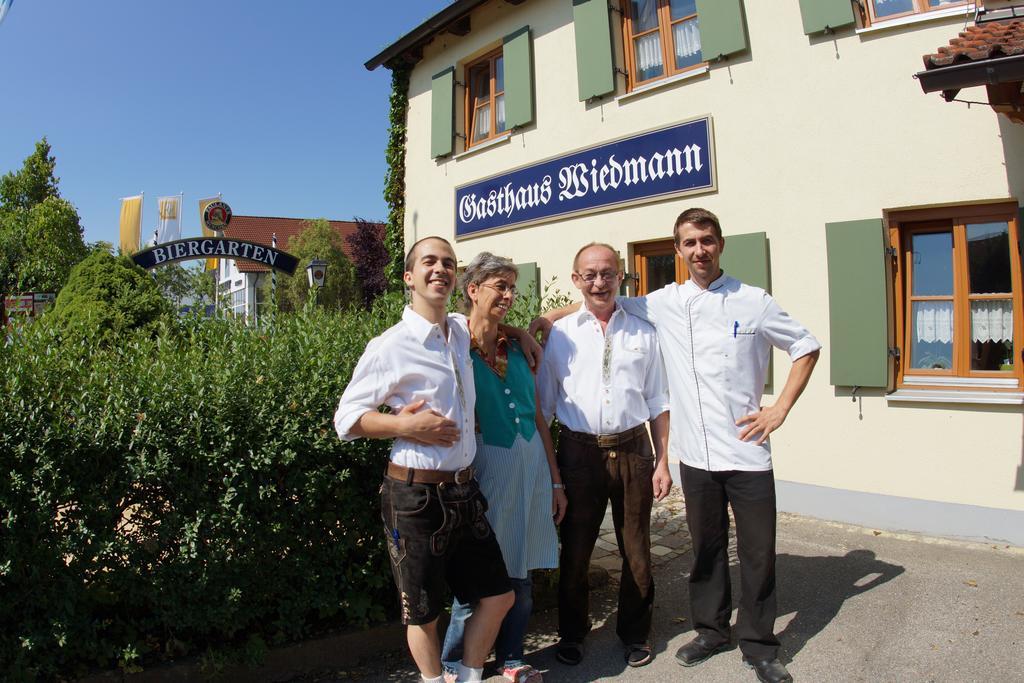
<point x="195" y="248"/>
<point x="655" y="165"/>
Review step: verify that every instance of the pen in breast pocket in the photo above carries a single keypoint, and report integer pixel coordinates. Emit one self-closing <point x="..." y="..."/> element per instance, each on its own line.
<point x="735" y="328"/>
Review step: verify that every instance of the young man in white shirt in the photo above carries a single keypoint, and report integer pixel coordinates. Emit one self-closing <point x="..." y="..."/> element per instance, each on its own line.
<point x="603" y="377"/>
<point x="431" y="504"/>
<point x="716" y="335"/>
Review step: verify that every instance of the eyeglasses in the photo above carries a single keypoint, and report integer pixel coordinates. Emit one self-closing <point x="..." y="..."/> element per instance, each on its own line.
<point x="502" y="288"/>
<point x="606" y="275"/>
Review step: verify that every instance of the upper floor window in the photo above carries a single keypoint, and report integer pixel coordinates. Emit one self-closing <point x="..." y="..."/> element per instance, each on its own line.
<point x="485" y="98"/>
<point x="662" y="38"/>
<point x="961" y="301"/>
<point x="881" y="10"/>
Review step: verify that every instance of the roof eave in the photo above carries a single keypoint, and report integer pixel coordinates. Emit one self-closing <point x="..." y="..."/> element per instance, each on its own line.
<point x="950" y="79"/>
<point x="422" y="34"/>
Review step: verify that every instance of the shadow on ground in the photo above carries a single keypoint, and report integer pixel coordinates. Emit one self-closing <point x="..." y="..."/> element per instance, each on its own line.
<point x="812" y="591"/>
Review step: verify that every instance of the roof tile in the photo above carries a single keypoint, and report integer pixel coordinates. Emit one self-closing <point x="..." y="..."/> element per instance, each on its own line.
<point x="260" y="229"/>
<point x="989" y="40"/>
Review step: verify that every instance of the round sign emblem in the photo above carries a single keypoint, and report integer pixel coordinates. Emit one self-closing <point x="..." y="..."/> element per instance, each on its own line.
<point x="217" y="216"/>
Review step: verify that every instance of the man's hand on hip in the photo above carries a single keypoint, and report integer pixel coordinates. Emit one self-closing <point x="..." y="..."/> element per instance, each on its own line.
<point x="762" y="423"/>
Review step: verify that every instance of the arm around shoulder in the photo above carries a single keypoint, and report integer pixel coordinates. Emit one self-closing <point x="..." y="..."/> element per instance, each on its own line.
<point x="544" y="321"/>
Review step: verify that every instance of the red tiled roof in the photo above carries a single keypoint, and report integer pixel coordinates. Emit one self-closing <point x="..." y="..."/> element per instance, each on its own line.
<point x="259" y="229"/>
<point x="980" y="42"/>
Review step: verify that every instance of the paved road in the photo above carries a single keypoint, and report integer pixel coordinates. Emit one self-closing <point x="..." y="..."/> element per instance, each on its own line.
<point x="855" y="605"/>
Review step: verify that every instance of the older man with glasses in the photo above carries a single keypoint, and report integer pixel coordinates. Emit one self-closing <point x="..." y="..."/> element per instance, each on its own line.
<point x="603" y="377"/>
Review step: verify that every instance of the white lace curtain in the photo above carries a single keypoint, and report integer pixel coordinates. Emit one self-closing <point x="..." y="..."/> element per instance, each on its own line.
<point x="990" y="321"/>
<point x="648" y="52"/>
<point x="483" y="119"/>
<point x="933" y="322"/>
<point x="483" y="122"/>
<point x="499" y="109"/>
<point x="686" y="36"/>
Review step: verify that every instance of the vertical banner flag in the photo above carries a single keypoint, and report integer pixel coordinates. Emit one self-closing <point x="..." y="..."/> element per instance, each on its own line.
<point x="211" y="263"/>
<point x="131" y="224"/>
<point x="4" y="6"/>
<point x="169" y="209"/>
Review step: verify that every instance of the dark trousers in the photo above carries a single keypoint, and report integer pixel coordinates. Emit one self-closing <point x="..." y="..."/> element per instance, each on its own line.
<point x="592" y="475"/>
<point x="752" y="496"/>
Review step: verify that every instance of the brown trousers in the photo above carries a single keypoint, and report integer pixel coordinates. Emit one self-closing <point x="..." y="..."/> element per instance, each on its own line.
<point x="593" y="475"/>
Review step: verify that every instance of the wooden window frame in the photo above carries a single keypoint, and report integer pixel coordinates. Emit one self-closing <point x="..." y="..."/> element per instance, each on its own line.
<point x="469" y="106"/>
<point x="664" y="29"/>
<point x="643" y="250"/>
<point x="902" y="226"/>
<point x="920" y="7"/>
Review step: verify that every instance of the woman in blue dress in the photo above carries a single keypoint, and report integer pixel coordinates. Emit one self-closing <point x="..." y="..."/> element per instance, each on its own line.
<point x="515" y="461"/>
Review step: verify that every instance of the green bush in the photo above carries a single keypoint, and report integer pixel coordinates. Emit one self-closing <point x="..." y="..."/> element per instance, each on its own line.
<point x="179" y="488"/>
<point x="108" y="295"/>
<point x="182" y="488"/>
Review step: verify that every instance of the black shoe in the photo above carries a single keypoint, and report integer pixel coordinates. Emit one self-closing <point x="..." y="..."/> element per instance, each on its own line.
<point x="639" y="654"/>
<point x="769" y="670"/>
<point x="568" y="652"/>
<point x="697" y="650"/>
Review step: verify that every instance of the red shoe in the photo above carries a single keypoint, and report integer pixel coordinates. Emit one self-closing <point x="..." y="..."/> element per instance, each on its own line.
<point x="521" y="673"/>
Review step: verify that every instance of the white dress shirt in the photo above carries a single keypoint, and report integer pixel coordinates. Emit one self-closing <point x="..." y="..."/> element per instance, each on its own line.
<point x="716" y="343"/>
<point x="602" y="382"/>
<point x="409" y="362"/>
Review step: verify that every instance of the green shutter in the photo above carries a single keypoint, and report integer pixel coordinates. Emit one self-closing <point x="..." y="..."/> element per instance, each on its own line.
<point x="528" y="284"/>
<point x="858" y="303"/>
<point x="1020" y="233"/>
<point x="442" y="112"/>
<point x="825" y="14"/>
<point x="746" y="258"/>
<point x="594" y="69"/>
<point x="722" y="28"/>
<point x="518" y="60"/>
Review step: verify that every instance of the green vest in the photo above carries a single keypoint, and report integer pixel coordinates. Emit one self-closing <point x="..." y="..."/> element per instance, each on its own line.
<point x="505" y="407"/>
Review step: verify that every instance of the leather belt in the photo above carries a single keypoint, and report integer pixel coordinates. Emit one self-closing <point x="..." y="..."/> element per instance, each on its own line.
<point x="607" y="440"/>
<point x="414" y="476"/>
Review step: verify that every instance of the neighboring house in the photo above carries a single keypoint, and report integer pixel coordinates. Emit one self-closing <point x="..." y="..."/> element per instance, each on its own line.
<point x="885" y="220"/>
<point x="240" y="282"/>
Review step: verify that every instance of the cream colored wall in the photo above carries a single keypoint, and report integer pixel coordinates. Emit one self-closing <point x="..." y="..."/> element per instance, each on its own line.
<point x="806" y="131"/>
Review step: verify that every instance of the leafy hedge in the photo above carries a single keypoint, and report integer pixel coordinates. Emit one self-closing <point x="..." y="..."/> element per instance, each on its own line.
<point x="183" y="489"/>
<point x="179" y="487"/>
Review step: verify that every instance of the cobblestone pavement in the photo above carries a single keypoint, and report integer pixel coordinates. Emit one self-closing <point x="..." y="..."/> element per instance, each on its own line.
<point x="669" y="537"/>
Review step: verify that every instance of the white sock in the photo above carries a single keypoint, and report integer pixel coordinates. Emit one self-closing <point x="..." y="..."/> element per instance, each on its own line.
<point x="468" y="674"/>
<point x="439" y="679"/>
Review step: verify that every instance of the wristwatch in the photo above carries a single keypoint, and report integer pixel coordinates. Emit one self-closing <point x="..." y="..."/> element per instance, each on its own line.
<point x="558" y="486"/>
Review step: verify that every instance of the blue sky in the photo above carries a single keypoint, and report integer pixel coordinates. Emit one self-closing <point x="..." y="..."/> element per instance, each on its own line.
<point x="266" y="102"/>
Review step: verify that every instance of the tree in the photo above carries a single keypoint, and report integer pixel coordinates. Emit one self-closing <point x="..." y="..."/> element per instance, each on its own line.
<point x="40" y="232"/>
<point x="184" y="286"/>
<point x="319" y="240"/>
<point x="371" y="258"/>
<point x="107" y="294"/>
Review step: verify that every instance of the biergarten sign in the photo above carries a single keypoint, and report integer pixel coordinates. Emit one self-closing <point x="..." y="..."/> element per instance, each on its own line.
<point x="659" y="164"/>
<point x="214" y="247"/>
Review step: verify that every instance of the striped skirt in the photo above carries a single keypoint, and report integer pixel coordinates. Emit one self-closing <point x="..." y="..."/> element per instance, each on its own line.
<point x="517" y="484"/>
